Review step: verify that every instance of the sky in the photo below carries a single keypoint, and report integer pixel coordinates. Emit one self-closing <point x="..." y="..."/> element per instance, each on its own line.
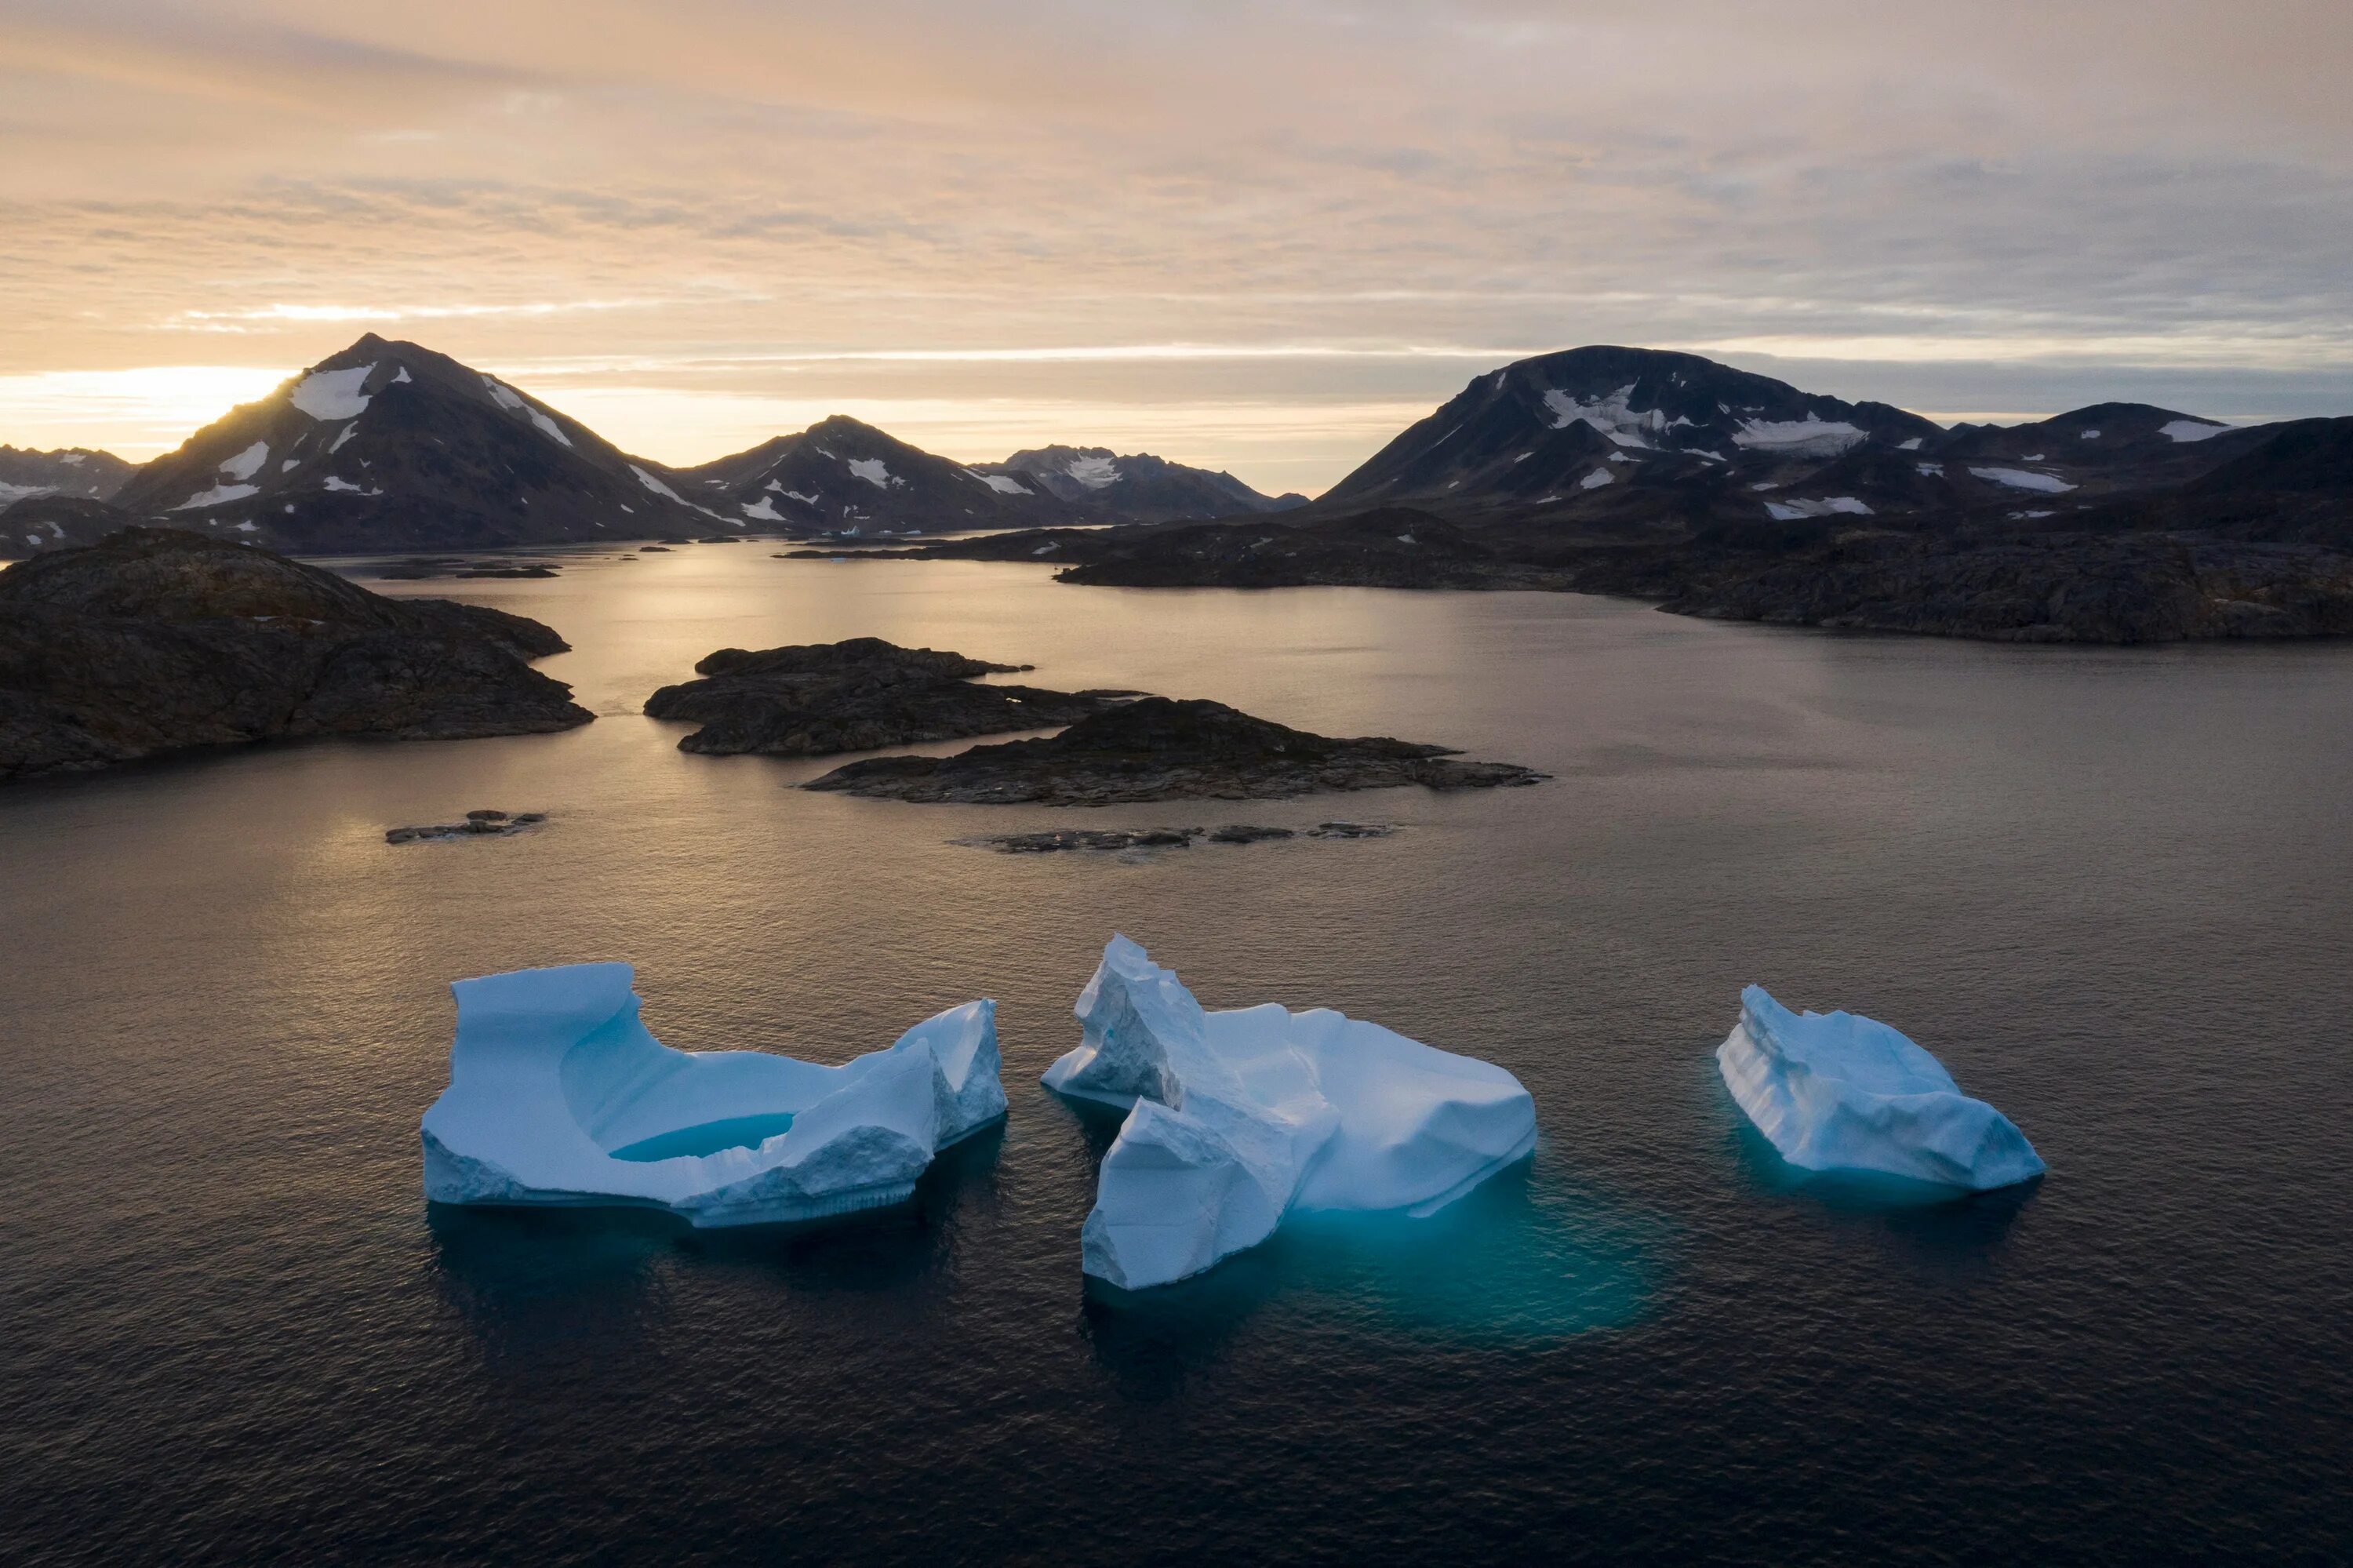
<point x="1259" y="236"/>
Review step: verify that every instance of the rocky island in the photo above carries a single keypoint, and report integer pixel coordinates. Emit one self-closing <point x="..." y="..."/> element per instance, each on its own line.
<point x="156" y="640"/>
<point x="856" y="695"/>
<point x="1158" y="748"/>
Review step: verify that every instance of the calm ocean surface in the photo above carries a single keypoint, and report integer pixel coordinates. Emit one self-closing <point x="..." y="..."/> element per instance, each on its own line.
<point x="2112" y="889"/>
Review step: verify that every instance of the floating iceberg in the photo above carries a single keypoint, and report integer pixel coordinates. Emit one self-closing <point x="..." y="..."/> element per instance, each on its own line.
<point x="1240" y="1117"/>
<point x="1849" y="1094"/>
<point x="558" y="1094"/>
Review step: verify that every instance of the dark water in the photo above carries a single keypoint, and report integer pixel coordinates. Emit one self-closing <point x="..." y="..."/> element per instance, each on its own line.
<point x="2109" y="889"/>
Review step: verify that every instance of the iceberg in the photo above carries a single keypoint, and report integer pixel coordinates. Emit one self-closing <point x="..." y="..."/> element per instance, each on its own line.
<point x="558" y="1094"/>
<point x="1842" y="1093"/>
<point x="1239" y="1118"/>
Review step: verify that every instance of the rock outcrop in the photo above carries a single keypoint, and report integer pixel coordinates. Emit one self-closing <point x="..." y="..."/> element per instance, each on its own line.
<point x="157" y="640"/>
<point x="856" y="695"/>
<point x="1160" y="749"/>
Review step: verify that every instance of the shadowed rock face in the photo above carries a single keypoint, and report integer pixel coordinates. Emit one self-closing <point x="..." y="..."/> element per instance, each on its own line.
<point x="825" y="697"/>
<point x="1161" y="749"/>
<point x="156" y="640"/>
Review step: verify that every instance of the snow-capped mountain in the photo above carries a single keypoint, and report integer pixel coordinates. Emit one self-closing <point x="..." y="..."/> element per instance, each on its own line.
<point x="70" y="471"/>
<point x="842" y="476"/>
<point x="390" y="446"/>
<point x="1569" y="424"/>
<point x="1133" y="488"/>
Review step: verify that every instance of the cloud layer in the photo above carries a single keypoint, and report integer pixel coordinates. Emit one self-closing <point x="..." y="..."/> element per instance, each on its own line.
<point x="1252" y="236"/>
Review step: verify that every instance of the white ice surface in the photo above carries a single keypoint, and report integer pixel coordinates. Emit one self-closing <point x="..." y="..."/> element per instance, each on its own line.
<point x="2020" y="479"/>
<point x="335" y="481"/>
<point x="333" y="394"/>
<point x="218" y="496"/>
<point x="1002" y="483"/>
<point x="2191" y="430"/>
<point x="1841" y="1092"/>
<point x="764" y="509"/>
<point x="554" y="1081"/>
<point x="872" y="471"/>
<point x="1809" y="437"/>
<point x="507" y="397"/>
<point x="1095" y="472"/>
<point x="247" y="464"/>
<point x="1238" y="1117"/>
<point x="1847" y="505"/>
<point x="1612" y="416"/>
<point x="1596" y="479"/>
<point x="656" y="486"/>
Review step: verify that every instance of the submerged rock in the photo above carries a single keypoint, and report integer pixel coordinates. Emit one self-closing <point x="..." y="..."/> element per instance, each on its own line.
<point x="856" y="695"/>
<point x="156" y="640"/>
<point x="559" y="1096"/>
<point x="1161" y="749"/>
<point x="478" y="824"/>
<point x="1838" y="1092"/>
<point x="1236" y="1118"/>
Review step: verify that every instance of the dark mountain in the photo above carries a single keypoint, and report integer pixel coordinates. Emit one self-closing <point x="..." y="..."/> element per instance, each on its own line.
<point x="390" y="446"/>
<point x="1134" y="488"/>
<point x="1558" y="430"/>
<point x="71" y="471"/>
<point x="844" y="477"/>
<point x="41" y="524"/>
<point x="160" y="639"/>
<point x="2298" y="456"/>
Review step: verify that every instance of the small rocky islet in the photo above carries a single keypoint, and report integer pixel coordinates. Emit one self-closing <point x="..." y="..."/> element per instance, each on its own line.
<point x="1162" y="748"/>
<point x="862" y="695"/>
<point x="1116" y="839"/>
<point x="485" y="823"/>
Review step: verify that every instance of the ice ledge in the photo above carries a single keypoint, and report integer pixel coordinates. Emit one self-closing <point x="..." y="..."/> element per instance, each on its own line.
<point x="552" y="1075"/>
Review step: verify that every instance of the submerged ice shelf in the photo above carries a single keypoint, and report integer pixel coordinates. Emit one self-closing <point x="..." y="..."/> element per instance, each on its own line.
<point x="1842" y="1093"/>
<point x="558" y="1094"/>
<point x="1239" y="1118"/>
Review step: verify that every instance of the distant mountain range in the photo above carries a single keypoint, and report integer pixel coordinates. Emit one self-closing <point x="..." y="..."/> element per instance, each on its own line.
<point x="388" y="446"/>
<point x="1610" y="469"/>
<point x="73" y="471"/>
<point x="1718" y="492"/>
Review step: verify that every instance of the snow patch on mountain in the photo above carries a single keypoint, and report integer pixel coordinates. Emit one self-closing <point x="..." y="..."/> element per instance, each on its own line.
<point x="872" y="471"/>
<point x="1612" y="415"/>
<point x="247" y="464"/>
<point x="1835" y="505"/>
<point x="1811" y="436"/>
<point x="218" y="496"/>
<point x="2020" y="479"/>
<point x="1002" y="484"/>
<point x="656" y="486"/>
<point x="1596" y="479"/>
<point x="2191" y="430"/>
<point x="1095" y="470"/>
<point x="328" y="394"/>
<point x="512" y="401"/>
<point x="765" y="511"/>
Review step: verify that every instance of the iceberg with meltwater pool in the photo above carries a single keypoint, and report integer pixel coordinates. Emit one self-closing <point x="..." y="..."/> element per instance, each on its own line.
<point x="1843" y="1093"/>
<point x="1239" y="1118"/>
<point x="558" y="1094"/>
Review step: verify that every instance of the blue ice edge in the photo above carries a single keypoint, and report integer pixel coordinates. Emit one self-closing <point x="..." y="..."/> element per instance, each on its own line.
<point x="1848" y="1110"/>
